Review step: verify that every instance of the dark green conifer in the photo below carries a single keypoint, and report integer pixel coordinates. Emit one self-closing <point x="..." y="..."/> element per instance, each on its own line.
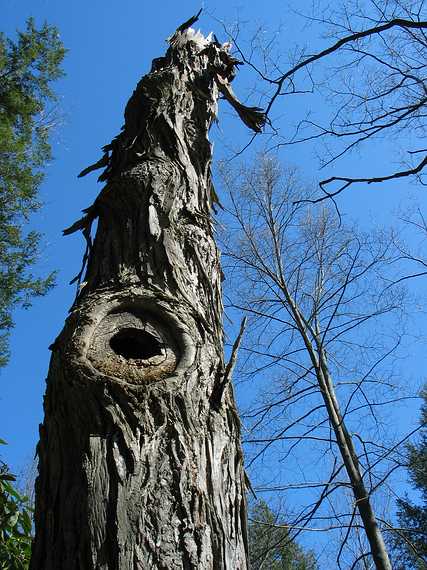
<point x="28" y="66"/>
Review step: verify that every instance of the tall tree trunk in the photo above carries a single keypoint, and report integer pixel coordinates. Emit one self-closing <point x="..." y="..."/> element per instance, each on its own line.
<point x="140" y="464"/>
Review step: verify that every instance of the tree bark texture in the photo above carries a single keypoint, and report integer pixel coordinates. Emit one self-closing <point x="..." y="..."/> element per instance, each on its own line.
<point x="140" y="464"/>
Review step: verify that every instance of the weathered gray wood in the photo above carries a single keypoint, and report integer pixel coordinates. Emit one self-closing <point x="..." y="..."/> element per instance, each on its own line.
<point x="137" y="468"/>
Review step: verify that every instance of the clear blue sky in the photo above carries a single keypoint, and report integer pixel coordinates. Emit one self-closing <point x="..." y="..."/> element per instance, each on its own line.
<point x="111" y="45"/>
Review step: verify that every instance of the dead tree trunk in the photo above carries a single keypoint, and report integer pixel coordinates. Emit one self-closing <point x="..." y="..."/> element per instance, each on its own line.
<point x="140" y="464"/>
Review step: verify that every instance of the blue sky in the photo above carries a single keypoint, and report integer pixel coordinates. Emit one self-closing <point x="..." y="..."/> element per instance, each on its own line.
<point x="111" y="46"/>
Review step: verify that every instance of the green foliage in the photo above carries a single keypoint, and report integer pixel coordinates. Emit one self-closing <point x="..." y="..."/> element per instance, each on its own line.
<point x="414" y="516"/>
<point x="15" y="523"/>
<point x="270" y="545"/>
<point x="27" y="68"/>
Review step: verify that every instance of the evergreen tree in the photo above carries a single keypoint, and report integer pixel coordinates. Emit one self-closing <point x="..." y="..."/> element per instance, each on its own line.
<point x="270" y="545"/>
<point x="28" y="66"/>
<point x="411" y="544"/>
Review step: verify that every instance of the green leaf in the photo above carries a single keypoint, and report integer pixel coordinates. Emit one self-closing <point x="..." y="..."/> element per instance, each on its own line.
<point x="9" y="489"/>
<point x="26" y="523"/>
<point x="7" y="477"/>
<point x="13" y="519"/>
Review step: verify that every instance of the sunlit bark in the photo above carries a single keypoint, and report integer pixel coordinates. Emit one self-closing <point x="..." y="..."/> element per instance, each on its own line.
<point x="140" y="457"/>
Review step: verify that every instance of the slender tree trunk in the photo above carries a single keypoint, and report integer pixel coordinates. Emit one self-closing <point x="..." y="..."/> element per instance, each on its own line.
<point x="344" y="439"/>
<point x="352" y="467"/>
<point x="140" y="464"/>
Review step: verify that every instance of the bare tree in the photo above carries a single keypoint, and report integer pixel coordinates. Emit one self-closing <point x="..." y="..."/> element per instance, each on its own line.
<point x="372" y="77"/>
<point x="412" y="248"/>
<point x="322" y="318"/>
<point x="140" y="464"/>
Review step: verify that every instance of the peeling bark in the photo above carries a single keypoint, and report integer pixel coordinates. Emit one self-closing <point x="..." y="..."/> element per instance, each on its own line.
<point x="137" y="468"/>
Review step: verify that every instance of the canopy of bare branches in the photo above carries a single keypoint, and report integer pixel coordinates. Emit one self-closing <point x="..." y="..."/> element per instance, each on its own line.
<point x="370" y="72"/>
<point x="325" y="328"/>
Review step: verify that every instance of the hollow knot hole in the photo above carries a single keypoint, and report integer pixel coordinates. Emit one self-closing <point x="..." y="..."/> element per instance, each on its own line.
<point x="136" y="344"/>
